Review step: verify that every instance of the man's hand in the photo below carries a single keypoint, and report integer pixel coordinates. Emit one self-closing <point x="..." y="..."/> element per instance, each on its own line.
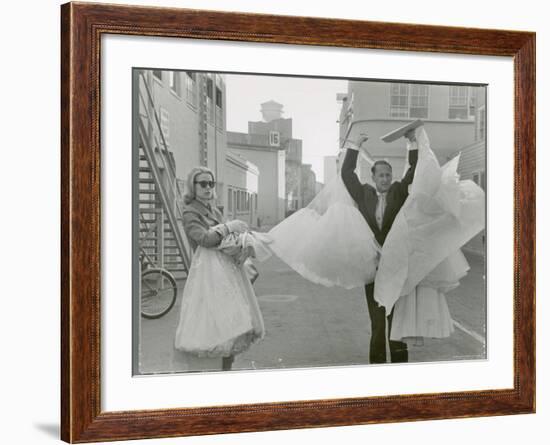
<point x="411" y="135"/>
<point x="363" y="137"/>
<point x="358" y="145"/>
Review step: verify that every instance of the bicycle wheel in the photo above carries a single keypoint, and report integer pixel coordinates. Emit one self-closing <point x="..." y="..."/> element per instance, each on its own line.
<point x="158" y="292"/>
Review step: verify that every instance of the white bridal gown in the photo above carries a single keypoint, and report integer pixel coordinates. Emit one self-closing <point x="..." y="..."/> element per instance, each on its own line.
<point x="330" y="243"/>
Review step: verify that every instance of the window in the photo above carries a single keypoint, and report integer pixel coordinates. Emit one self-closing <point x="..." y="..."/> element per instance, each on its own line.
<point x="158" y="74"/>
<point x="462" y="102"/>
<point x="209" y="99"/>
<point x="274" y="138"/>
<point x="174" y="81"/>
<point x="458" y="99"/>
<point x="419" y="101"/>
<point x="409" y="100"/>
<point x="210" y="88"/>
<point x="191" y="88"/>
<point x="399" y="102"/>
<point x="229" y="200"/>
<point x="219" y="102"/>
<point x="219" y="108"/>
<point x="243" y="200"/>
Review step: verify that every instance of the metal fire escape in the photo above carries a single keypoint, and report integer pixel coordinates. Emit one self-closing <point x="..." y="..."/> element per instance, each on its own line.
<point x="161" y="236"/>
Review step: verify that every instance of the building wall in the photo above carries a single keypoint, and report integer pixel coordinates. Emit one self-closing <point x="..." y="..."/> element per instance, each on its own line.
<point x="217" y="139"/>
<point x="241" y="192"/>
<point x="293" y="193"/>
<point x="281" y="191"/>
<point x="283" y="126"/>
<point x="180" y="116"/>
<point x="178" y="108"/>
<point x="217" y="147"/>
<point x="293" y="181"/>
<point x="366" y="109"/>
<point x="293" y="175"/>
<point x="472" y="166"/>
<point x="372" y="100"/>
<point x="293" y="148"/>
<point x="283" y="188"/>
<point x="271" y="171"/>
<point x="472" y="162"/>
<point x="445" y="137"/>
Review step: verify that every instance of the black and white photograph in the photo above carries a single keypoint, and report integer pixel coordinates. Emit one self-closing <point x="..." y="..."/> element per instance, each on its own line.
<point x="297" y="222"/>
<point x="276" y="222"/>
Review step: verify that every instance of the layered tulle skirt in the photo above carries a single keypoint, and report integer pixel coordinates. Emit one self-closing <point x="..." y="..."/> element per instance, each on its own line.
<point x="219" y="313"/>
<point x="422" y="313"/>
<point x="333" y="248"/>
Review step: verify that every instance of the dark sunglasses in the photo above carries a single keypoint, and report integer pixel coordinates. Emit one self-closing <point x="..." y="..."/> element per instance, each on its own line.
<point x="203" y="184"/>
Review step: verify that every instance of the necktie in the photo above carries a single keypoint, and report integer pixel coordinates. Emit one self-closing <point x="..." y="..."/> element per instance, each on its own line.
<point x="380" y="208"/>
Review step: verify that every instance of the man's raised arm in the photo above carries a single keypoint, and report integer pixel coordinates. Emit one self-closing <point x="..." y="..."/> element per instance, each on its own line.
<point x="351" y="181"/>
<point x="409" y="176"/>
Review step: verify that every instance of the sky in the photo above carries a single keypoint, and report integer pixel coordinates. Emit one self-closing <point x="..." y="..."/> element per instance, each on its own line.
<point x="310" y="102"/>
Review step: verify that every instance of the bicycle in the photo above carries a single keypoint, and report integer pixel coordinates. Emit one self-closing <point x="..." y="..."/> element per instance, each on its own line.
<point x="159" y="288"/>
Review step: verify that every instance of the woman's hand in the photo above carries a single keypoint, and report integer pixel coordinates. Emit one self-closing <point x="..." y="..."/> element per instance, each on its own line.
<point x="241" y="258"/>
<point x="237" y="226"/>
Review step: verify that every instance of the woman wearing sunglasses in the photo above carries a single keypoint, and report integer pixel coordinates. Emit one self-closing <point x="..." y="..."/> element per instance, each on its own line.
<point x="219" y="316"/>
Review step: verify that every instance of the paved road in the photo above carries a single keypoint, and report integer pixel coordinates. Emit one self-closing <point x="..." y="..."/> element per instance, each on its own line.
<point x="311" y="325"/>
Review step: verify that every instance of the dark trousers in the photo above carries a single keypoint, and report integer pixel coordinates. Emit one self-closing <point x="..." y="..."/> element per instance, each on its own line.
<point x="377" y="354"/>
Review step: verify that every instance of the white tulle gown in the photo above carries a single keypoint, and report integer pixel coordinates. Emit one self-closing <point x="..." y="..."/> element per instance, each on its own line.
<point x="330" y="243"/>
<point x="219" y="315"/>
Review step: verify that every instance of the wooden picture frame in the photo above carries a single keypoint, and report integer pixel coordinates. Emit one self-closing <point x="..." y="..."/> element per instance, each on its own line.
<point x="82" y="26"/>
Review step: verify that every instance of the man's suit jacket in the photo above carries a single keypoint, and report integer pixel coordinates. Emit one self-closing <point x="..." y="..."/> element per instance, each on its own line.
<point x="198" y="221"/>
<point x="366" y="197"/>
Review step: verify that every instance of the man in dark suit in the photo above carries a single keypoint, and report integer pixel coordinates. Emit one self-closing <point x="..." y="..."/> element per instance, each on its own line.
<point x="379" y="206"/>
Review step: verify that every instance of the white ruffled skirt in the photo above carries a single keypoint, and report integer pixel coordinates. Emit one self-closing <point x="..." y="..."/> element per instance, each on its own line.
<point x="422" y="313"/>
<point x="333" y="248"/>
<point x="219" y="315"/>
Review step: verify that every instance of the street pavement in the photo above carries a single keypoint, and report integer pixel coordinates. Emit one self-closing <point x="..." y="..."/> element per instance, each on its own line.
<point x="311" y="325"/>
